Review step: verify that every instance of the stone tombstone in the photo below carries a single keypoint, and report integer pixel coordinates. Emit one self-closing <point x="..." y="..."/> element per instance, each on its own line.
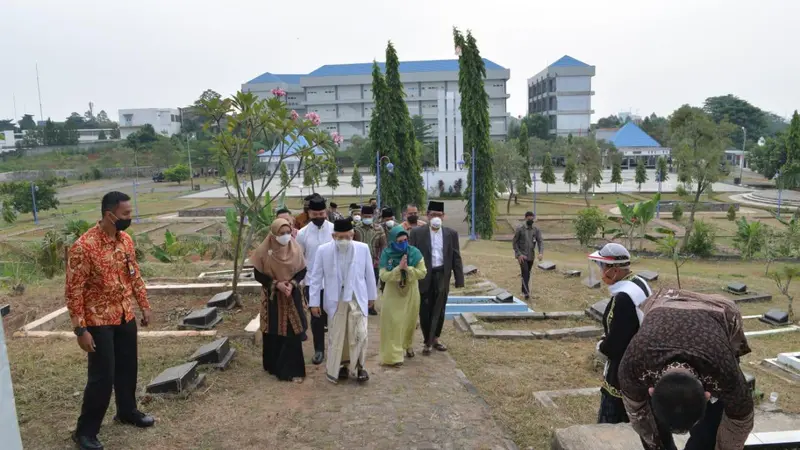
<point x="737" y="288"/>
<point x="201" y="319"/>
<point x="591" y="282"/>
<point x="470" y="270"/>
<point x="504" y="297"/>
<point x="222" y="300"/>
<point x="174" y="380"/>
<point x="495" y="292"/>
<point x="596" y="311"/>
<point x="775" y="317"/>
<point x="572" y="274"/>
<point x="648" y="275"/>
<point x="547" y="265"/>
<point x="217" y="353"/>
<point x="5" y="310"/>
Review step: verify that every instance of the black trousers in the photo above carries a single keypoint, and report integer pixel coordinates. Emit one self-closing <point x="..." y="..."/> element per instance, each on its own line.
<point x="113" y="364"/>
<point x="318" y="324"/>
<point x="433" y="304"/>
<point x="702" y="436"/>
<point x="525" y="268"/>
<point x="612" y="410"/>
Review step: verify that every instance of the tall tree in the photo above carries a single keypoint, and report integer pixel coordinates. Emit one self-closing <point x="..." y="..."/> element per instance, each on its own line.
<point x="657" y="128"/>
<point x="332" y="179"/>
<point x="616" y="173"/>
<point x="524" y="150"/>
<point x="699" y="145"/>
<point x="510" y="169"/>
<point x="381" y="134"/>
<point x="611" y="121"/>
<point x="641" y="174"/>
<point x="662" y="174"/>
<point x="422" y="130"/>
<point x="790" y="171"/>
<point x="102" y="118"/>
<point x="476" y="126"/>
<point x="570" y="173"/>
<point x="513" y="128"/>
<point x="548" y="175"/>
<point x="741" y="113"/>
<point x="356" y="181"/>
<point x="538" y="126"/>
<point x="589" y="165"/>
<point x="285" y="180"/>
<point x="408" y="163"/>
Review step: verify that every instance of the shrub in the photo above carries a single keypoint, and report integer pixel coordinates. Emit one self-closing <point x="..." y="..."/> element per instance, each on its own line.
<point x="731" y="213"/>
<point x="587" y="224"/>
<point x="677" y="213"/>
<point x="701" y="242"/>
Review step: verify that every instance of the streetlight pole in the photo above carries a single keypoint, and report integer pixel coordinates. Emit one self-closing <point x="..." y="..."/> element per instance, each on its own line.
<point x="534" y="192"/>
<point x="191" y="173"/>
<point x="658" y="203"/>
<point x="473" y="235"/>
<point x="780" y="192"/>
<point x="33" y="197"/>
<point x="135" y="183"/>
<point x="741" y="158"/>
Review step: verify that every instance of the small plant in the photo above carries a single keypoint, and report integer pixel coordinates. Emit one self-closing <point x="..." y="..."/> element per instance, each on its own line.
<point x="702" y="241"/>
<point x="749" y="238"/>
<point x="677" y="213"/>
<point x="772" y="248"/>
<point x="458" y="186"/>
<point x="588" y="224"/>
<point x="731" y="213"/>
<point x="669" y="246"/>
<point x="440" y="185"/>
<point x="783" y="279"/>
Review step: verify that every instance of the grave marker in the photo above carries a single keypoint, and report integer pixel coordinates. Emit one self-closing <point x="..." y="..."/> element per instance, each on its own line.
<point x="775" y="317"/>
<point x="505" y="297"/>
<point x="648" y="275"/>
<point x="201" y="319"/>
<point x="176" y="380"/>
<point x="495" y="292"/>
<point x="572" y="273"/>
<point x="547" y="265"/>
<point x="5" y="310"/>
<point x="223" y="300"/>
<point x="596" y="311"/>
<point x="470" y="269"/>
<point x="591" y="283"/>
<point x="218" y="354"/>
<point x="737" y="288"/>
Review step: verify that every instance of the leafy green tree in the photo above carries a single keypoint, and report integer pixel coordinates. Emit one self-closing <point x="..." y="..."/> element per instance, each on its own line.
<point x="641" y="174"/>
<point x="538" y="126"/>
<point x="476" y="126"/>
<point x="7" y="125"/>
<point x="616" y="174"/>
<point x="730" y="108"/>
<point x="662" y="173"/>
<point x="702" y="241"/>
<point x="332" y="178"/>
<point x="699" y="148"/>
<point x="422" y="130"/>
<point x="524" y="150"/>
<point x="177" y="173"/>
<point x="587" y="224"/>
<point x="783" y="279"/>
<point x="381" y="130"/>
<point x="548" y="175"/>
<point x="790" y="171"/>
<point x="356" y="180"/>
<point x="570" y="173"/>
<point x="589" y="164"/>
<point x="731" y="213"/>
<point x="408" y="161"/>
<point x="285" y="180"/>
<point x="513" y="128"/>
<point x="611" y="121"/>
<point x="27" y="122"/>
<point x="657" y="128"/>
<point x="308" y="178"/>
<point x="509" y="168"/>
<point x="17" y="195"/>
<point x="749" y="238"/>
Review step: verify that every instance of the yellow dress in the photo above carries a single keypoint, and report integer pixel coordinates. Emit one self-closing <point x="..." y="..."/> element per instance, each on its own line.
<point x="399" y="311"/>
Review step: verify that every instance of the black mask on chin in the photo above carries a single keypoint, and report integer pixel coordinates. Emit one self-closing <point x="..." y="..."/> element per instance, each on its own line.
<point x="121" y="224"/>
<point x="529" y="222"/>
<point x="318" y="221"/>
<point x="412" y="219"/>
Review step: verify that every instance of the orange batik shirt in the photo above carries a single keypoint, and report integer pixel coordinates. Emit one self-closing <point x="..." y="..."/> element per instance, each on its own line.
<point x="103" y="279"/>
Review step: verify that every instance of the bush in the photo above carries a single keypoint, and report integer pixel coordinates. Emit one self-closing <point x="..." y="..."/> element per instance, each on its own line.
<point x="677" y="213"/>
<point x="731" y="213"/>
<point x="701" y="242"/>
<point x="587" y="224"/>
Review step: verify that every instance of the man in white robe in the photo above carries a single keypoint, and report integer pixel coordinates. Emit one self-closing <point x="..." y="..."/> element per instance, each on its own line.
<point x="344" y="268"/>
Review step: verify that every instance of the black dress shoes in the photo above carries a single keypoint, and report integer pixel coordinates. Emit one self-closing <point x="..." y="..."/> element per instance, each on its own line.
<point x="318" y="358"/>
<point x="87" y="442"/>
<point x="136" y="418"/>
<point x="373" y="312"/>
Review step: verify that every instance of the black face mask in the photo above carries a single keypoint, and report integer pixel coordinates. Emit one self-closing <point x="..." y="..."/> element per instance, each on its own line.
<point x="412" y="219"/>
<point x="529" y="222"/>
<point x="121" y="224"/>
<point x="318" y="221"/>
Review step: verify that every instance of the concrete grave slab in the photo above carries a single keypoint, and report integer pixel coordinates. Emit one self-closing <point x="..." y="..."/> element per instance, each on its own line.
<point x="791" y="360"/>
<point x="545" y="398"/>
<point x="788" y="329"/>
<point x="572" y="273"/>
<point x="484" y="285"/>
<point x="736" y="288"/>
<point x="753" y="298"/>
<point x="577" y="332"/>
<point x="49" y="322"/>
<point x="597" y="310"/>
<point x="218" y="354"/>
<point x="470" y="270"/>
<point x="495" y="292"/>
<point x="5" y="310"/>
<point x="201" y="319"/>
<point x="591" y="283"/>
<point x="547" y="265"/>
<point x="775" y="317"/>
<point x="223" y="300"/>
<point x="648" y="275"/>
<point x="504" y="297"/>
<point x="176" y="380"/>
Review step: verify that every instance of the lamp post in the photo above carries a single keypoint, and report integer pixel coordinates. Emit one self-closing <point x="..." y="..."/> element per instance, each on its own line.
<point x="389" y="167"/>
<point x="189" y="151"/>
<point x="135" y="183"/>
<point x="780" y="191"/>
<point x="659" y="177"/>
<point x="741" y="158"/>
<point x="534" y="192"/>
<point x="34" y="188"/>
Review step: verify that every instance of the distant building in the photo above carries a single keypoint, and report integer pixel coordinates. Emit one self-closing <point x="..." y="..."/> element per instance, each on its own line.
<point x="627" y="116"/>
<point x="272" y="159"/>
<point x="736" y="158"/>
<point x="635" y="145"/>
<point x="166" y="121"/>
<point x="562" y="92"/>
<point x="342" y="93"/>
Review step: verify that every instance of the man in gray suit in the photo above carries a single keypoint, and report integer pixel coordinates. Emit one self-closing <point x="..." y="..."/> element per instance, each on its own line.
<point x="439" y="247"/>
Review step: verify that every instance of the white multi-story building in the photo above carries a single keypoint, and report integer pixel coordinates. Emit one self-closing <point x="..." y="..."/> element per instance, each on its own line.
<point x="342" y="93"/>
<point x="563" y="93"/>
<point x="166" y="121"/>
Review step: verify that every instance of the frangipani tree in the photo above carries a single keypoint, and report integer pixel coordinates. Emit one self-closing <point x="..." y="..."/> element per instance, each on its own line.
<point x="239" y="122"/>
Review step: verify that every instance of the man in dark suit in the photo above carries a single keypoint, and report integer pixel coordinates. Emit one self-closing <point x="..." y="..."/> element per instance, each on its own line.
<point x="439" y="247"/>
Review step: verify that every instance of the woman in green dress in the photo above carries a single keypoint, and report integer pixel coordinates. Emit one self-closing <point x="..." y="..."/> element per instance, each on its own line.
<point x="401" y="268"/>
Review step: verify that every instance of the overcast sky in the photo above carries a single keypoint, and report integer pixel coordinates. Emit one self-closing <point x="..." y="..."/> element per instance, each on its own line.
<point x="650" y="55"/>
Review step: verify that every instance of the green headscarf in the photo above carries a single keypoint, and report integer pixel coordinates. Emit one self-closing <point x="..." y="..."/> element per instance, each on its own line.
<point x="390" y="258"/>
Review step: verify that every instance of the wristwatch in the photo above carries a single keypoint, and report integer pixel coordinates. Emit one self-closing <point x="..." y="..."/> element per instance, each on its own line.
<point x="79" y="331"/>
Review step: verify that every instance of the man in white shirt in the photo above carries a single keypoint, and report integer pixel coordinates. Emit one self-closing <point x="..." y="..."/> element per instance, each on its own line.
<point x="344" y="267"/>
<point x="440" y="249"/>
<point x="319" y="231"/>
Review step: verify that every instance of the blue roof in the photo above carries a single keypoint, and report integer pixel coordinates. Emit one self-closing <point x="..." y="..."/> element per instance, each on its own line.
<point x="292" y="149"/>
<point x="568" y="61"/>
<point x="631" y="135"/>
<point x="442" y="65"/>
<point x="267" y="77"/>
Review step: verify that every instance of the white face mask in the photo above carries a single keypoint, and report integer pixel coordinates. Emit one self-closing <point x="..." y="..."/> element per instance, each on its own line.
<point x="368" y="221"/>
<point x="389" y="223"/>
<point x="343" y="244"/>
<point x="284" y="239"/>
<point x="357" y="218"/>
<point x="436" y="222"/>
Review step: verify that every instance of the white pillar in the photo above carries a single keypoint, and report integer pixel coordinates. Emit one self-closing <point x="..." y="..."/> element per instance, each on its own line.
<point x="458" y="131"/>
<point x="451" y="134"/>
<point x="442" y="126"/>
